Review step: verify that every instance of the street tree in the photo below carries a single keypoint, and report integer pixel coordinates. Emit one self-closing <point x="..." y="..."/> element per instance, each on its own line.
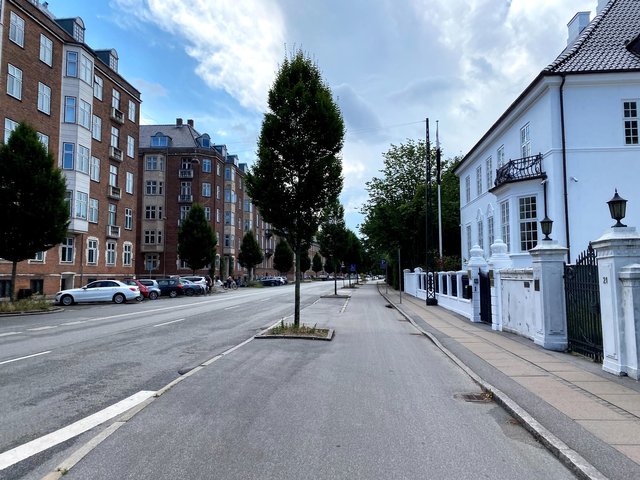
<point x="299" y="170"/>
<point x="250" y="253"/>
<point x="332" y="238"/>
<point x="305" y="262"/>
<point x="283" y="257"/>
<point x="196" y="239"/>
<point x="316" y="264"/>
<point x="34" y="212"/>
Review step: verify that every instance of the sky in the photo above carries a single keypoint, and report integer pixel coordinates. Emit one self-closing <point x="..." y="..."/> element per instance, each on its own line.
<point x="390" y="64"/>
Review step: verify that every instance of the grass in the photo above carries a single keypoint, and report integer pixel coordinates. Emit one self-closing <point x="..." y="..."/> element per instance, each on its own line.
<point x="289" y="329"/>
<point x="37" y="303"/>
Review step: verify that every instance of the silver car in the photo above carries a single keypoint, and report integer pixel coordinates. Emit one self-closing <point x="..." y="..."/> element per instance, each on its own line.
<point x="98" y="291"/>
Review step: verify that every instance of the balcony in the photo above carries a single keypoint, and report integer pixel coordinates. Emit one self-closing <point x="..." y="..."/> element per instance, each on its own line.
<point x="113" y="231"/>
<point x="114" y="192"/>
<point x="185" y="198"/>
<point x="117" y="116"/>
<point x="520" y="169"/>
<point x="152" y="248"/>
<point x="185" y="173"/>
<point x="116" y="154"/>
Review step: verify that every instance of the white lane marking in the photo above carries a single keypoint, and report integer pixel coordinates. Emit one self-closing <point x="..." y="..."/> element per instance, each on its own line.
<point x="9" y="333"/>
<point x="266" y="299"/>
<point x="23" y="358"/>
<point x="37" y="329"/>
<point x="74" y="323"/>
<point x="232" y="307"/>
<point x="172" y="321"/>
<point x="41" y="444"/>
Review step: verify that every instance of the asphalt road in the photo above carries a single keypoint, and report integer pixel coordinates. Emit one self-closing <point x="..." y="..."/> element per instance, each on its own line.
<point x="59" y="368"/>
<point x="378" y="402"/>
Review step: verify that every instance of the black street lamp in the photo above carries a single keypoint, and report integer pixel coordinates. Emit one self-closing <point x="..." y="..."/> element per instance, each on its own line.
<point x="545" y="225"/>
<point x="617" y="209"/>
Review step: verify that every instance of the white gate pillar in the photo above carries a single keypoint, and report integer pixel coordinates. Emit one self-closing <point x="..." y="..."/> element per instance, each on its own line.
<point x="551" y="317"/>
<point x="630" y="278"/>
<point x="499" y="259"/>
<point x="476" y="264"/>
<point x="618" y="247"/>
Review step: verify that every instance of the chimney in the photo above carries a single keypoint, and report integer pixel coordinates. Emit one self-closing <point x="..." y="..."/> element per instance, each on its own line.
<point x="601" y="5"/>
<point x="190" y="122"/>
<point x="577" y="24"/>
<point x="178" y="122"/>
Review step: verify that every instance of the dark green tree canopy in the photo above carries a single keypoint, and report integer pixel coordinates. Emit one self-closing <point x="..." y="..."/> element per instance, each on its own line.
<point x="332" y="236"/>
<point x="196" y="239"/>
<point x="283" y="257"/>
<point x="317" y="263"/>
<point x="250" y="253"/>
<point x="305" y="261"/>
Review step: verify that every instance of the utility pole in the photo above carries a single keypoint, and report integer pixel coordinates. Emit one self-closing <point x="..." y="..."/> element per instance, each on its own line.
<point x="430" y="277"/>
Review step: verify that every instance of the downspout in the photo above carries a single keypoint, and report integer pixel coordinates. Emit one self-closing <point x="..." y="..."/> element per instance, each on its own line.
<point x="564" y="170"/>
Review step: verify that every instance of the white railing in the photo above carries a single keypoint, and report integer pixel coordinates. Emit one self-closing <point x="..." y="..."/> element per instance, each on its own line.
<point x="450" y="289"/>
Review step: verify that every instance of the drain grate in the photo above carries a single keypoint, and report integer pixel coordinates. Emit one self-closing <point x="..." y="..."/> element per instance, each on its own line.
<point x="482" y="397"/>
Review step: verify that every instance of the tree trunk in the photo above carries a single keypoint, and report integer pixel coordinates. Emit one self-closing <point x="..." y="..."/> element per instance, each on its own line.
<point x="296" y="318"/>
<point x="335" y="279"/>
<point x="12" y="286"/>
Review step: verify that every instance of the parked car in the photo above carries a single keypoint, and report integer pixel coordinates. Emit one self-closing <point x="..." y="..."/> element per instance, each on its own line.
<point x="198" y="280"/>
<point x="148" y="290"/>
<point x="198" y="289"/>
<point x="173" y="287"/>
<point x="98" y="291"/>
<point x="271" y="282"/>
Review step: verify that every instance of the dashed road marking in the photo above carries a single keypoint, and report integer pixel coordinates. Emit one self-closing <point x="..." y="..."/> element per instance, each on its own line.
<point x="24" y="358"/>
<point x="9" y="333"/>
<point x="37" y="329"/>
<point x="172" y="321"/>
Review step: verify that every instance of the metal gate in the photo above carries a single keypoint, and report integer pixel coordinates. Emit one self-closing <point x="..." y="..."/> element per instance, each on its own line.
<point x="582" y="294"/>
<point x="485" y="297"/>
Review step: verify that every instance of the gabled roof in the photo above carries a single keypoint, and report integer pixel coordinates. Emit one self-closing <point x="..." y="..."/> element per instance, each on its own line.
<point x="183" y="136"/>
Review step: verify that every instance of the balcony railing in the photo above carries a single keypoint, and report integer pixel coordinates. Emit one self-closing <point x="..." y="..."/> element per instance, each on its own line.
<point x="115" y="154"/>
<point x="113" y="231"/>
<point x="185" y="173"/>
<point x="114" y="192"/>
<point x="117" y="116"/>
<point x="185" y="198"/>
<point x="520" y="169"/>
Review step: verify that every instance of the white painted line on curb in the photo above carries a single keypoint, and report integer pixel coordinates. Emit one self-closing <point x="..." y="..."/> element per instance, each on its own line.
<point x="172" y="321"/>
<point x="38" y="445"/>
<point x="9" y="333"/>
<point x="37" y="329"/>
<point x="24" y="358"/>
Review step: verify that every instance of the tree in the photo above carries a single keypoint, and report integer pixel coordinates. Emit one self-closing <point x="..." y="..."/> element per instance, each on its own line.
<point x="332" y="238"/>
<point x="353" y="254"/>
<point x="196" y="239"/>
<point x="305" y="262"/>
<point x="316" y="263"/>
<point x="298" y="171"/>
<point x="35" y="213"/>
<point x="283" y="257"/>
<point x="250" y="254"/>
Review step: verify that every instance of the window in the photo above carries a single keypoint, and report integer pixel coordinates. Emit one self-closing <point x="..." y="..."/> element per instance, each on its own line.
<point x="525" y="141"/>
<point x="154" y="162"/>
<point x="92" y="251"/>
<point x="46" y="50"/>
<point x="218" y="169"/>
<point x="86" y="69"/>
<point x="468" y="240"/>
<point x="128" y="219"/>
<point x="206" y="189"/>
<point x="83" y="159"/>
<point x="152" y="212"/>
<point x="229" y="218"/>
<point x="44" y="98"/>
<point x="44" y="139"/>
<point x="479" y="180"/>
<point x="14" y="82"/>
<point x="230" y="174"/>
<point x="96" y="128"/>
<point x="68" y="197"/>
<point x="207" y="213"/>
<point x="113" y="175"/>
<point x="490" y="232"/>
<point x="132" y="111"/>
<point x="481" y="233"/>
<point x="186" y="164"/>
<point x="151" y="262"/>
<point x="131" y="146"/>
<point x="112" y="214"/>
<point x="127" y="254"/>
<point x="630" y="122"/>
<point x="68" y="151"/>
<point x="184" y="211"/>
<point x="218" y="192"/>
<point x="93" y="210"/>
<point x="154" y="187"/>
<point x="98" y="85"/>
<point x="467" y="188"/>
<point x="94" y="169"/>
<point x="70" y="109"/>
<point x="185" y="188"/>
<point x="159" y="141"/>
<point x="489" y="173"/>
<point x="229" y="240"/>
<point x="72" y="64"/>
<point x="111" y="253"/>
<point x="206" y="165"/>
<point x="66" y="250"/>
<point x="528" y="223"/>
<point x="38" y="257"/>
<point x="115" y="137"/>
<point x="217" y="215"/>
<point x="9" y="126"/>
<point x="128" y="184"/>
<point x="16" y="29"/>
<point x="115" y="99"/>
<point x="149" y="237"/>
<point x="504" y="224"/>
<point x="84" y="117"/>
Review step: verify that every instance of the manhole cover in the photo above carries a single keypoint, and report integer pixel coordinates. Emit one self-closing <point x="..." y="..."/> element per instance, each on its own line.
<point x="482" y="397"/>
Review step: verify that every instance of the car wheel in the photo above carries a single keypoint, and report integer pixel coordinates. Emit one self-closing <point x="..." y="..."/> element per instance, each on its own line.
<point x="153" y="295"/>
<point x="173" y="294"/>
<point x="118" y="298"/>
<point x="139" y="298"/>
<point x="66" y="300"/>
<point x="189" y="292"/>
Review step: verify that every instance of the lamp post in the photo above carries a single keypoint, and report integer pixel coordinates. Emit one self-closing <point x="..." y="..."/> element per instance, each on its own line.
<point x="617" y="209"/>
<point x="545" y="225"/>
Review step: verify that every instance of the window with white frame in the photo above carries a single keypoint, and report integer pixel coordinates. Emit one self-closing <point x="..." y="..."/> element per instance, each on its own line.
<point x="630" y="109"/>
<point x="127" y="254"/>
<point x="479" y="180"/>
<point x="217" y="215"/>
<point x="154" y="162"/>
<point x="528" y="217"/>
<point x="217" y="169"/>
<point x="38" y="257"/>
<point x="44" y="98"/>
<point x="96" y="128"/>
<point x="131" y="146"/>
<point x="14" y="81"/>
<point x="98" y="87"/>
<point x="184" y="211"/>
<point x="159" y="141"/>
<point x="66" y="250"/>
<point x="115" y="137"/>
<point x="481" y="233"/>
<point x="94" y="169"/>
<point x="206" y="189"/>
<point x="72" y="64"/>
<point x="68" y="197"/>
<point x="84" y="114"/>
<point x="206" y="165"/>
<point x="111" y="253"/>
<point x="489" y="173"/>
<point x="467" y="188"/>
<point x="132" y="111"/>
<point x="115" y="99"/>
<point x="185" y="188"/>
<point x="469" y="245"/>
<point x="86" y="69"/>
<point x="113" y="175"/>
<point x="218" y="192"/>
<point x="525" y="141"/>
<point x="9" y="127"/>
<point x="207" y="213"/>
<point x="229" y="218"/>
<point x="46" y="50"/>
<point x="128" y="184"/>
<point x="44" y="139"/>
<point x="92" y="251"/>
<point x="154" y="187"/>
<point x="149" y="237"/>
<point x="68" y="156"/>
<point x="490" y="231"/>
<point x="112" y="217"/>
<point x="82" y="164"/>
<point x="151" y="261"/>
<point x="150" y="212"/>
<point x="505" y="228"/>
<point x="93" y="210"/>
<point x="16" y="29"/>
<point x="70" y="109"/>
<point x="128" y="219"/>
<point x="500" y="156"/>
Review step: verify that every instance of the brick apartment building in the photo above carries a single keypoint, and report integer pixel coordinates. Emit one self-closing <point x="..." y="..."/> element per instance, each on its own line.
<point x="88" y="117"/>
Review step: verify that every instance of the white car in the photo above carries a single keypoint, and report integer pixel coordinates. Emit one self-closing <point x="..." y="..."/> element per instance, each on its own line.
<point x="98" y="291"/>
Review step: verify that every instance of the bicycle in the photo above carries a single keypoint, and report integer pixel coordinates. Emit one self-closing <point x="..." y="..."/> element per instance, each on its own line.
<point x="230" y="286"/>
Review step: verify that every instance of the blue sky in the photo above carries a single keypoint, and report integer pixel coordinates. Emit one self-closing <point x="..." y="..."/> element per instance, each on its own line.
<point x="389" y="63"/>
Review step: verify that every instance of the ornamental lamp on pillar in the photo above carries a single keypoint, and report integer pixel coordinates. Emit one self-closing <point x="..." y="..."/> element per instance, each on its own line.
<point x="545" y="225"/>
<point x="617" y="209"/>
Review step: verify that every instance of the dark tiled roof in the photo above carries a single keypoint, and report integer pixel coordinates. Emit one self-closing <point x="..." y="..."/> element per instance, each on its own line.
<point x="183" y="136"/>
<point x="602" y="44"/>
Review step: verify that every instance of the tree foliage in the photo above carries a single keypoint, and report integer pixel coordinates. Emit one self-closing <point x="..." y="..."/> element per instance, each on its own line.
<point x="283" y="257"/>
<point x="316" y="263"/>
<point x="34" y="212"/>
<point x="298" y="170"/>
<point x="250" y="253"/>
<point x="305" y="261"/>
<point x="196" y="239"/>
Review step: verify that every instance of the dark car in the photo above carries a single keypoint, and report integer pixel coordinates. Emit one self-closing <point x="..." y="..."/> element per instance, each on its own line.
<point x="271" y="282"/>
<point x="173" y="287"/>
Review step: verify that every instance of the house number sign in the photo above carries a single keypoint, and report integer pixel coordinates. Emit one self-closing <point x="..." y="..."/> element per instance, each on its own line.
<point x="605" y="280"/>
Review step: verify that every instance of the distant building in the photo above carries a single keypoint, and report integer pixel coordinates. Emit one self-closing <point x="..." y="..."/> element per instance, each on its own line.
<point x="87" y="115"/>
<point x="563" y="145"/>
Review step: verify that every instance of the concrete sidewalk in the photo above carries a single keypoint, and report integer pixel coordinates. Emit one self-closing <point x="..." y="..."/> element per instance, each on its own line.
<point x="589" y="418"/>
